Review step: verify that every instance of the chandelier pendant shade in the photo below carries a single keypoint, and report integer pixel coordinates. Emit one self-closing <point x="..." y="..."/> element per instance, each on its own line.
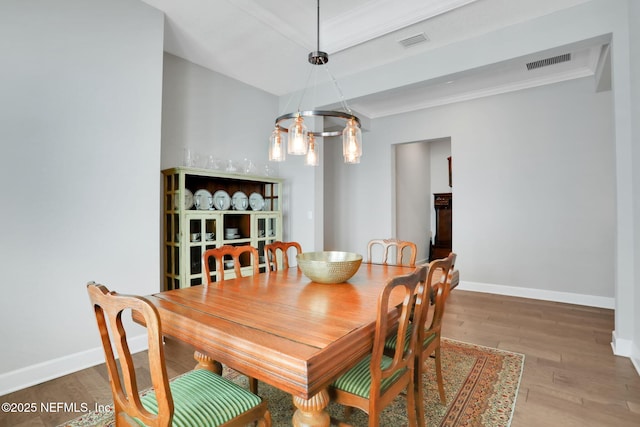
<point x="352" y="143"/>
<point x="300" y="140"/>
<point x="276" y="146"/>
<point x="312" y="154"/>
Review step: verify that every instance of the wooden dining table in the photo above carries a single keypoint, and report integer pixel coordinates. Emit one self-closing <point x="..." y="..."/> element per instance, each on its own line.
<point x="281" y="328"/>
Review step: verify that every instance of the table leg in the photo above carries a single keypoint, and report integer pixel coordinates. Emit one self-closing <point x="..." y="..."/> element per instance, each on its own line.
<point x="205" y="362"/>
<point x="311" y="412"/>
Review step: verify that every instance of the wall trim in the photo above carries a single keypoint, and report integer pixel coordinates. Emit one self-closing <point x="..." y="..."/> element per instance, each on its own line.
<point x="541" y="294"/>
<point x="55" y="368"/>
<point x="626" y="348"/>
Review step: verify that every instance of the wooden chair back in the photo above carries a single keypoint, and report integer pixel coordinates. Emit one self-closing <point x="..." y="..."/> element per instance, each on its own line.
<point x="400" y="365"/>
<point x="206" y="400"/>
<point x="271" y="251"/>
<point x="109" y="308"/>
<point x="240" y="255"/>
<point x="440" y="291"/>
<point x="398" y="245"/>
<point x="414" y="287"/>
<point x="429" y="336"/>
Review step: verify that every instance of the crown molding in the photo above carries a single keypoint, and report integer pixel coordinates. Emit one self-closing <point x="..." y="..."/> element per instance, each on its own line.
<point x="377" y="18"/>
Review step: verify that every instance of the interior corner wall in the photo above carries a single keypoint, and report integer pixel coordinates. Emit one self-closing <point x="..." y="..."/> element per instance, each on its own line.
<point x="80" y="115"/>
<point x="634" y="42"/>
<point x="412" y="195"/>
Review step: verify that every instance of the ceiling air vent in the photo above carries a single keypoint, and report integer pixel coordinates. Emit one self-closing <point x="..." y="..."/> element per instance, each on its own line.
<point x="549" y="61"/>
<point x="414" y="40"/>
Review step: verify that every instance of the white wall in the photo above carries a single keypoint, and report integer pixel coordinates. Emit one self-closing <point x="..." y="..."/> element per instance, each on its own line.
<point x="529" y="211"/>
<point x="79" y="160"/>
<point x="213" y="114"/>
<point x="634" y="18"/>
<point x="412" y="195"/>
<point x="359" y="206"/>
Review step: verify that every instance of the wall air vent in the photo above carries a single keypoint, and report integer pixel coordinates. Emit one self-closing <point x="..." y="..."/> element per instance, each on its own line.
<point x="548" y="61"/>
<point x="414" y="40"/>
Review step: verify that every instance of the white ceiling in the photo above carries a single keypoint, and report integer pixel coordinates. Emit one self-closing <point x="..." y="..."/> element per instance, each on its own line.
<point x="265" y="43"/>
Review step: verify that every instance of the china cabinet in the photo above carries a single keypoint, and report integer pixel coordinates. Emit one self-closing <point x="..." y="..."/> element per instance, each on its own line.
<point x="204" y="209"/>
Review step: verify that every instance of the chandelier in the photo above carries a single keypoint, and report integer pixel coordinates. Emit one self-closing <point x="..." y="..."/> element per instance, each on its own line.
<point x="301" y="141"/>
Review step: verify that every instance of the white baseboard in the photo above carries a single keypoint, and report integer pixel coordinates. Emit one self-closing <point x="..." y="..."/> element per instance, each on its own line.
<point x="620" y="346"/>
<point x="636" y="363"/>
<point x="51" y="369"/>
<point x="541" y="294"/>
<point x="626" y="348"/>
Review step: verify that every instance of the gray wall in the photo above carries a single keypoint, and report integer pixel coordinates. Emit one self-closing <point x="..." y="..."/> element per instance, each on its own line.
<point x="412" y="195"/>
<point x="533" y="191"/>
<point x="213" y="114"/>
<point x="80" y="109"/>
<point x="634" y="286"/>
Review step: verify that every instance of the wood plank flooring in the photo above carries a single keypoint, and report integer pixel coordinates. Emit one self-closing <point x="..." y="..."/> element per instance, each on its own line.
<point x="571" y="377"/>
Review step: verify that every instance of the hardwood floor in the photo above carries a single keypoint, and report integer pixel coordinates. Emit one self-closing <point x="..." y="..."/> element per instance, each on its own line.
<point x="571" y="377"/>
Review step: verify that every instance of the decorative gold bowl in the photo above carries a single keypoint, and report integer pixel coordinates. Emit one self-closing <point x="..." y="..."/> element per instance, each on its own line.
<point x="329" y="266"/>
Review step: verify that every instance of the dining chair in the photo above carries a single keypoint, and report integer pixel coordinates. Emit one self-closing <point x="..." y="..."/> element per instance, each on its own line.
<point x="378" y="379"/>
<point x="271" y="253"/>
<point x="235" y="254"/>
<point x="198" y="397"/>
<point x="398" y="245"/>
<point x="430" y="336"/>
<point x="428" y="342"/>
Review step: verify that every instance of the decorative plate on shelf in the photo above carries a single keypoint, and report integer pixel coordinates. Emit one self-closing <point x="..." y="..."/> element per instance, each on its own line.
<point x="240" y="201"/>
<point x="221" y="200"/>
<point x="256" y="201"/>
<point x="203" y="200"/>
<point x="188" y="199"/>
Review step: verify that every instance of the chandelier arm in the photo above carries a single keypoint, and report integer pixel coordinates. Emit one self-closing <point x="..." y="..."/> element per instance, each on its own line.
<point x="317" y="113"/>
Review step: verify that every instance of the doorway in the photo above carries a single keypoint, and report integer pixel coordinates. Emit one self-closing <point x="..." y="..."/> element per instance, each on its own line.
<point x="421" y="169"/>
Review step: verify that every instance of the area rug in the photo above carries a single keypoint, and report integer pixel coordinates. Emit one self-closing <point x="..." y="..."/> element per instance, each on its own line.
<point x="481" y="385"/>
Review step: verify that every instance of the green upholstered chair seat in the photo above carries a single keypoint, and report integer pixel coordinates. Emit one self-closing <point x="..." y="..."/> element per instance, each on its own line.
<point x="357" y="380"/>
<point x="204" y="399"/>
<point x="391" y="342"/>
